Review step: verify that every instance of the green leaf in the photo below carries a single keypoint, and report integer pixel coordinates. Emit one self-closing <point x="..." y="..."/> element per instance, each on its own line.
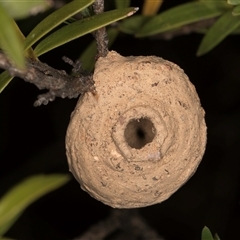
<point x="236" y="11"/>
<point x="233" y="2"/>
<point x="150" y="7"/>
<point x="14" y="202"/>
<point x="7" y="224"/>
<point x="220" y="30"/>
<point x="88" y="56"/>
<point x="112" y="35"/>
<point x="181" y="15"/>
<point x="10" y="39"/>
<point x="80" y="28"/>
<point x="19" y="9"/>
<point x="122" y="3"/>
<point x="133" y="24"/>
<point x="216" y="237"/>
<point x="206" y="234"/>
<point x="55" y="19"/>
<point x="5" y="79"/>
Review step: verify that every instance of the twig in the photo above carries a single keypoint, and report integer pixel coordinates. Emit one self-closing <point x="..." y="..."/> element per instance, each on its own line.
<point x="57" y="82"/>
<point x="100" y="35"/>
<point x="121" y="224"/>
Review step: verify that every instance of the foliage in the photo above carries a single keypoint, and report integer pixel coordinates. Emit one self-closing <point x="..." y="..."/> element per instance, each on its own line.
<point x="224" y="26"/>
<point x="147" y="24"/>
<point x="56" y="39"/>
<point x="79" y="28"/>
<point x="14" y="202"/>
<point x="10" y="38"/>
<point x="19" y="9"/>
<point x="207" y="235"/>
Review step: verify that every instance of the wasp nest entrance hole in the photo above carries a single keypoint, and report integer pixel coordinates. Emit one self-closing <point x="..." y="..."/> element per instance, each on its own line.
<point x="139" y="132"/>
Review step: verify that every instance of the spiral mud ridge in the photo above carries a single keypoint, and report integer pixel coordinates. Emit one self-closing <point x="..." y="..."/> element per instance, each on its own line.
<point x="141" y="137"/>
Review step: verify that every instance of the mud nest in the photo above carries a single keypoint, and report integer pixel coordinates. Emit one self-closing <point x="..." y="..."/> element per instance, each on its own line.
<point x="141" y="137"/>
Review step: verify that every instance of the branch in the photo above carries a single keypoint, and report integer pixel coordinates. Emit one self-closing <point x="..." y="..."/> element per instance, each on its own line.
<point x="100" y="35"/>
<point x="58" y="82"/>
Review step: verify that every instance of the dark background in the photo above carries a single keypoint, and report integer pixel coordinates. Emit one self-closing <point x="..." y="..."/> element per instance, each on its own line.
<point x="32" y="140"/>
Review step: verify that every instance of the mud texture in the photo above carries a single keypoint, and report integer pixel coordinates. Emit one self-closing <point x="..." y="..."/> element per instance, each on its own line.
<point x="141" y="137"/>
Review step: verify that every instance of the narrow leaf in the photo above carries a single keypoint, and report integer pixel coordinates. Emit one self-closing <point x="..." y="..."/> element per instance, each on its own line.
<point x="150" y="8"/>
<point x="5" y="79"/>
<point x="206" y="234"/>
<point x="133" y="24"/>
<point x="9" y="38"/>
<point x="216" y="237"/>
<point x="22" y="195"/>
<point x="220" y="30"/>
<point x="233" y="2"/>
<point x="236" y="11"/>
<point x="122" y="3"/>
<point x="112" y="35"/>
<point x="55" y="19"/>
<point x="88" y="56"/>
<point x="80" y="28"/>
<point x="29" y="52"/>
<point x="181" y="15"/>
<point x="19" y="9"/>
<point x="7" y="224"/>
